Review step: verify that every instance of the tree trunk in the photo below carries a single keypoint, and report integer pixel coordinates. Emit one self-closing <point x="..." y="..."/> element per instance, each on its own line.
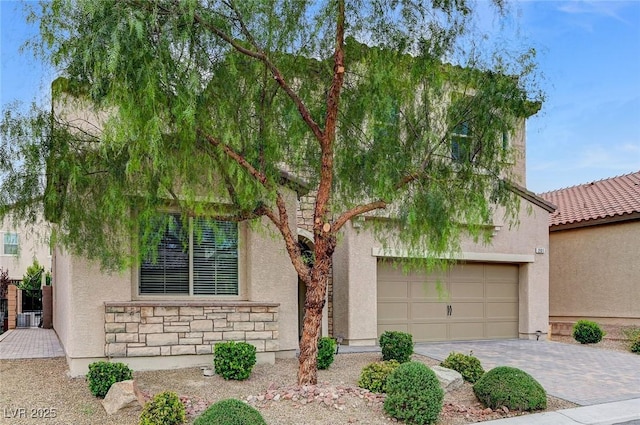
<point x="313" y="305"/>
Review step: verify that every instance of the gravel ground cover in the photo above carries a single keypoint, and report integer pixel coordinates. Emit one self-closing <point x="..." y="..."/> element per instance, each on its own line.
<point x="615" y="344"/>
<point x="41" y="387"/>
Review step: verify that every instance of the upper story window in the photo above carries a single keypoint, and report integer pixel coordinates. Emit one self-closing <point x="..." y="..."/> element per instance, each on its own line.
<point x="196" y="258"/>
<point x="10" y="244"/>
<point x="461" y="143"/>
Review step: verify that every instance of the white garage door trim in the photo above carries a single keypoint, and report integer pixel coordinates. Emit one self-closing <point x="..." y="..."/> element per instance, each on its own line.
<point x="485" y="257"/>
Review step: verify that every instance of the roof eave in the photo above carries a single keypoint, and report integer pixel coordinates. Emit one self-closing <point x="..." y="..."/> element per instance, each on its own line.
<point x="618" y="218"/>
<point x="532" y="197"/>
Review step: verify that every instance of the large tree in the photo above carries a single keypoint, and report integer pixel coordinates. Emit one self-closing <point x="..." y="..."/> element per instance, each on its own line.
<point x="197" y="98"/>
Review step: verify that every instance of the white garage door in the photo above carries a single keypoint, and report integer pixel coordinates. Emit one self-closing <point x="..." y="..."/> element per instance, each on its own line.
<point x="469" y="301"/>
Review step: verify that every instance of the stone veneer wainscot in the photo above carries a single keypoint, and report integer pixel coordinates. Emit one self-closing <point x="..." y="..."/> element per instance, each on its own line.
<point x="171" y="328"/>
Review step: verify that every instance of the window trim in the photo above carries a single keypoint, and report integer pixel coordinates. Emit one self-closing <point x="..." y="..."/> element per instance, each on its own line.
<point x="135" y="273"/>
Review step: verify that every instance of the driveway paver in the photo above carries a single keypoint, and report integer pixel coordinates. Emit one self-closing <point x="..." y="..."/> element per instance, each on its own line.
<point x="581" y="374"/>
<point x="30" y="343"/>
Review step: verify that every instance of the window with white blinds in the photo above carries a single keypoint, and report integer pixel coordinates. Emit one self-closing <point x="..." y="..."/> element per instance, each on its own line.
<point x="201" y="259"/>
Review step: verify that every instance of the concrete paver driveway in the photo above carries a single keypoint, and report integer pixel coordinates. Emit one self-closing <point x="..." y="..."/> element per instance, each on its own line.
<point x="581" y="374"/>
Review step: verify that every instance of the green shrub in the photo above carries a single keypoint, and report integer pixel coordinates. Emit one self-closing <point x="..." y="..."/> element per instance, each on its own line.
<point x="587" y="332"/>
<point x="374" y="375"/>
<point x="326" y="352"/>
<point x="396" y="346"/>
<point x="634" y="346"/>
<point x="234" y="360"/>
<point x="510" y="387"/>
<point x="468" y="366"/>
<point x="414" y="394"/>
<point x="104" y="374"/>
<point x="632" y="334"/>
<point x="230" y="412"/>
<point x="164" y="409"/>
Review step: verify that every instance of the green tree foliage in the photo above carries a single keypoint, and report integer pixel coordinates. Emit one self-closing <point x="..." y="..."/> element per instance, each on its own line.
<point x="32" y="279"/>
<point x="201" y="105"/>
<point x="4" y="283"/>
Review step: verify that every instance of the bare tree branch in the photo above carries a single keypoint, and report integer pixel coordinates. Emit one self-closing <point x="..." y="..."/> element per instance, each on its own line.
<point x="239" y="159"/>
<point x="277" y="75"/>
<point x="360" y="209"/>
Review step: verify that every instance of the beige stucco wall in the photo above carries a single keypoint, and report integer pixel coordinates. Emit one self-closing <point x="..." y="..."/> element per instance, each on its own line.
<point x="81" y="289"/>
<point x="33" y="243"/>
<point x="355" y="273"/>
<point x="595" y="274"/>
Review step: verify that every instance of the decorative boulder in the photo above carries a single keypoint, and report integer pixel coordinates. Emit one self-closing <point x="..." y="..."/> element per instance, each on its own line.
<point x="123" y="395"/>
<point x="449" y="379"/>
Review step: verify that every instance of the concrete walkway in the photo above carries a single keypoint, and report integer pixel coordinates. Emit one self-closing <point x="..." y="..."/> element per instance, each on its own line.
<point x="30" y="343"/>
<point x="580" y="374"/>
<point x="617" y="413"/>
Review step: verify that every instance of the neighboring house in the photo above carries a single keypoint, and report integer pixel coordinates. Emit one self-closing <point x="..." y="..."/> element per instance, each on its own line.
<point x="20" y="245"/>
<point x="594" y="252"/>
<point x="163" y="315"/>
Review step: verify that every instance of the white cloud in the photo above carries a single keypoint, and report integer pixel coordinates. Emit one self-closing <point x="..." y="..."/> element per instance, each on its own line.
<point x="609" y="9"/>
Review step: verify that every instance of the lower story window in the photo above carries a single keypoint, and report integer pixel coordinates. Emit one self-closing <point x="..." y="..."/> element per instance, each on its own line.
<point x="199" y="257"/>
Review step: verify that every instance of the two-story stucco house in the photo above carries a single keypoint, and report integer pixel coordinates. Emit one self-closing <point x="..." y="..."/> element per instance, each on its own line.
<point x="165" y="315"/>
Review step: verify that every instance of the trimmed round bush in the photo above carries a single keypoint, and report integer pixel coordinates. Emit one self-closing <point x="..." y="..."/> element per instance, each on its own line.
<point x="374" y="375"/>
<point x="104" y="374"/>
<point x="587" y="332"/>
<point x="164" y="409"/>
<point x="414" y="394"/>
<point x="326" y="352"/>
<point x="396" y="346"/>
<point x="230" y="412"/>
<point x="510" y="387"/>
<point x="634" y="347"/>
<point x="467" y="365"/>
<point x="234" y="360"/>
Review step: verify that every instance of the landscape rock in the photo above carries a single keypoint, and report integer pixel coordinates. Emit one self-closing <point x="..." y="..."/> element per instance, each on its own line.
<point x="123" y="395"/>
<point x="449" y="379"/>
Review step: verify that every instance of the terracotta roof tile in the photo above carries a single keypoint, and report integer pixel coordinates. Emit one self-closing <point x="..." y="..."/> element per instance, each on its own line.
<point x="611" y="197"/>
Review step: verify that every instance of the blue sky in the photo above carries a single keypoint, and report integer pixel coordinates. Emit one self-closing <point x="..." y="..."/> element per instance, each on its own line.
<point x="589" y="53"/>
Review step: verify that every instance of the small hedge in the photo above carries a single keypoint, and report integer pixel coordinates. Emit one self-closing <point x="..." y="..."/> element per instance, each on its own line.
<point x="104" y="374"/>
<point x="230" y="412"/>
<point x="510" y="387"/>
<point x="468" y="366"/>
<point x="374" y="375"/>
<point x="164" y="409"/>
<point x="634" y="346"/>
<point x="587" y="332"/>
<point x="326" y="352"/>
<point x="632" y="334"/>
<point x="234" y="360"/>
<point x="396" y="346"/>
<point x="414" y="394"/>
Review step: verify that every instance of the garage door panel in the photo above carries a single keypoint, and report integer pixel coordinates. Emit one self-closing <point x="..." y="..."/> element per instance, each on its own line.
<point x="502" y="310"/>
<point x="390" y="289"/>
<point x="393" y="311"/>
<point x="468" y="272"/>
<point x="398" y="327"/>
<point x="468" y="310"/>
<point x="428" y="291"/>
<point x="502" y="290"/>
<point x="427" y="311"/>
<point x="422" y="332"/>
<point x="462" y="290"/>
<point x="501" y="330"/>
<point x="466" y="330"/>
<point x="501" y="272"/>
